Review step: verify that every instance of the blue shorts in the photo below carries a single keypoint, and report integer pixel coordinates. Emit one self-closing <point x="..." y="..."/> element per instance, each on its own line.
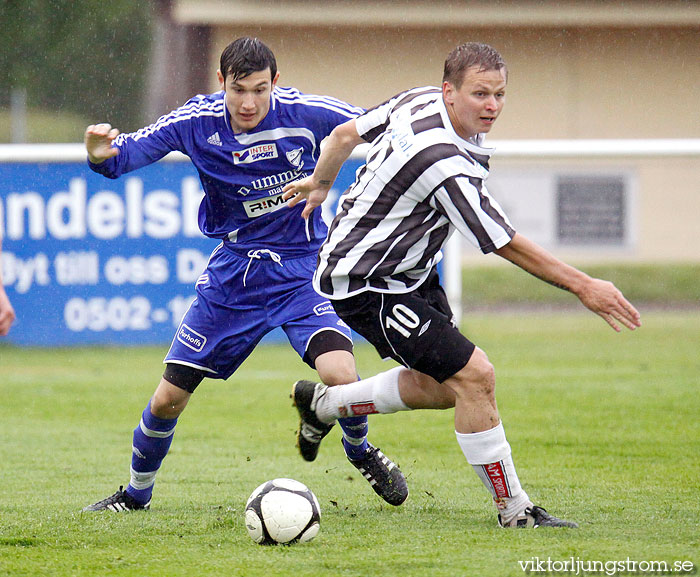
<point x="243" y="296"/>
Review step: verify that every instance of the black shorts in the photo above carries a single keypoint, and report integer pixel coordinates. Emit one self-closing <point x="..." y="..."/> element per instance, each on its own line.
<point x="416" y="328"/>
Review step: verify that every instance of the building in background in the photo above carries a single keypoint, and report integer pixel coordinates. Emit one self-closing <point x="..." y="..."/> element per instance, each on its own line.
<point x="577" y="70"/>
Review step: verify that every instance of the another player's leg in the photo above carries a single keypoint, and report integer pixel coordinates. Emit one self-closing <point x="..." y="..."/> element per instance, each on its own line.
<point x="454" y="374"/>
<point x="329" y="351"/>
<point x="152" y="439"/>
<point x="154" y="434"/>
<point x="481" y="436"/>
<point x="325" y="343"/>
<point x="217" y="333"/>
<point x="335" y="365"/>
<point x="338" y="367"/>
<point x="400" y="389"/>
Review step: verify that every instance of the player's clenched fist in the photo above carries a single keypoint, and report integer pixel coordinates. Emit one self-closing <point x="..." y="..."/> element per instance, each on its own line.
<point x="98" y="142"/>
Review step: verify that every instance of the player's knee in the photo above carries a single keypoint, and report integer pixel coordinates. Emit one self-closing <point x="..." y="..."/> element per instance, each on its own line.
<point x="336" y="368"/>
<point x="341" y="374"/>
<point x="482" y="371"/>
<point x="476" y="379"/>
<point x="330" y="353"/>
<point x="169" y="401"/>
<point x="343" y="378"/>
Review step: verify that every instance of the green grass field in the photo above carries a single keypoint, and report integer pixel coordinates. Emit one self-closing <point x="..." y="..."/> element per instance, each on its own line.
<point x="660" y="285"/>
<point x="604" y="429"/>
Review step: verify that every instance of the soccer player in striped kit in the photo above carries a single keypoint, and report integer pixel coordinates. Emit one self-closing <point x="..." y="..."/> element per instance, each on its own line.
<point x="246" y="141"/>
<point x="423" y="179"/>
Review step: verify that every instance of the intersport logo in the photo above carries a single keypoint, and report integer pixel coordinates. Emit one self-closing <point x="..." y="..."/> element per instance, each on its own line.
<point x="255" y="153"/>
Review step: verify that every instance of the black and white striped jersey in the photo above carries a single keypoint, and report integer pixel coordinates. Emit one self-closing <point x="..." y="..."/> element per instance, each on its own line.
<point x="420" y="182"/>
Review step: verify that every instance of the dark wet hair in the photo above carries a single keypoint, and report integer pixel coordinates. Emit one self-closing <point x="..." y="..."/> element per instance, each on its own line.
<point x="244" y="56"/>
<point x="471" y="54"/>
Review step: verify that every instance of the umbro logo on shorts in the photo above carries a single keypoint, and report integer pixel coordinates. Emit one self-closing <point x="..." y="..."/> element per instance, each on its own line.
<point x="424" y="327"/>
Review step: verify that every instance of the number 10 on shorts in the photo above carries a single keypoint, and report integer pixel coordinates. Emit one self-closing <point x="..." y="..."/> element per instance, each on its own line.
<point x="403" y="320"/>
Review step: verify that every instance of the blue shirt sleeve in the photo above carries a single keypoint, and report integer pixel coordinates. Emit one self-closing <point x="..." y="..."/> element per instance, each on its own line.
<point x="321" y="114"/>
<point x="147" y="145"/>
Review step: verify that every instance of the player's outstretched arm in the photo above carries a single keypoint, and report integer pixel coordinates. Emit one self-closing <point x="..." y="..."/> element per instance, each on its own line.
<point x="314" y="189"/>
<point x="600" y="296"/>
<point x="98" y="142"/>
<point x="7" y="313"/>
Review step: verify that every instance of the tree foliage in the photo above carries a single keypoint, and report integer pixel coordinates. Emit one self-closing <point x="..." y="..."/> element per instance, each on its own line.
<point x="85" y="57"/>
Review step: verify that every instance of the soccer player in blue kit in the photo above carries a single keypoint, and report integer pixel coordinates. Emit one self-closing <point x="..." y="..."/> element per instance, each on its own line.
<point x="247" y="141"/>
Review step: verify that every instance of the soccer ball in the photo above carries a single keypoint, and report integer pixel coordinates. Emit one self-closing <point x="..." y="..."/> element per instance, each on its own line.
<point x="282" y="511"/>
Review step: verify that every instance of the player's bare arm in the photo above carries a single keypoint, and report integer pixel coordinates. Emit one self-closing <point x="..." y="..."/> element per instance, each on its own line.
<point x="599" y="296"/>
<point x="7" y="313"/>
<point x="314" y="189"/>
<point x="98" y="142"/>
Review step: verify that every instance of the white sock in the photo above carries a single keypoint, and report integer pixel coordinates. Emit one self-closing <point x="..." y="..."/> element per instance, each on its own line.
<point x="377" y="394"/>
<point x="488" y="452"/>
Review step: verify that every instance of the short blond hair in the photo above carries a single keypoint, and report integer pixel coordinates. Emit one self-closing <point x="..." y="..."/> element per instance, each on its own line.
<point x="468" y="55"/>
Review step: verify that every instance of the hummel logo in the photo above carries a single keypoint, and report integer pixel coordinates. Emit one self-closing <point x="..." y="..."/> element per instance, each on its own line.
<point x="214" y="139"/>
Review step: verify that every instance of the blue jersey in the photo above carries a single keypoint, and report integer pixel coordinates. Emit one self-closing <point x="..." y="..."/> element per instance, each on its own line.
<point x="243" y="174"/>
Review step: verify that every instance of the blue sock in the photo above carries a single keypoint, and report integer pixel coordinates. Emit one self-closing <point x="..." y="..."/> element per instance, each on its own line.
<point x="354" y="436"/>
<point x="152" y="440"/>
